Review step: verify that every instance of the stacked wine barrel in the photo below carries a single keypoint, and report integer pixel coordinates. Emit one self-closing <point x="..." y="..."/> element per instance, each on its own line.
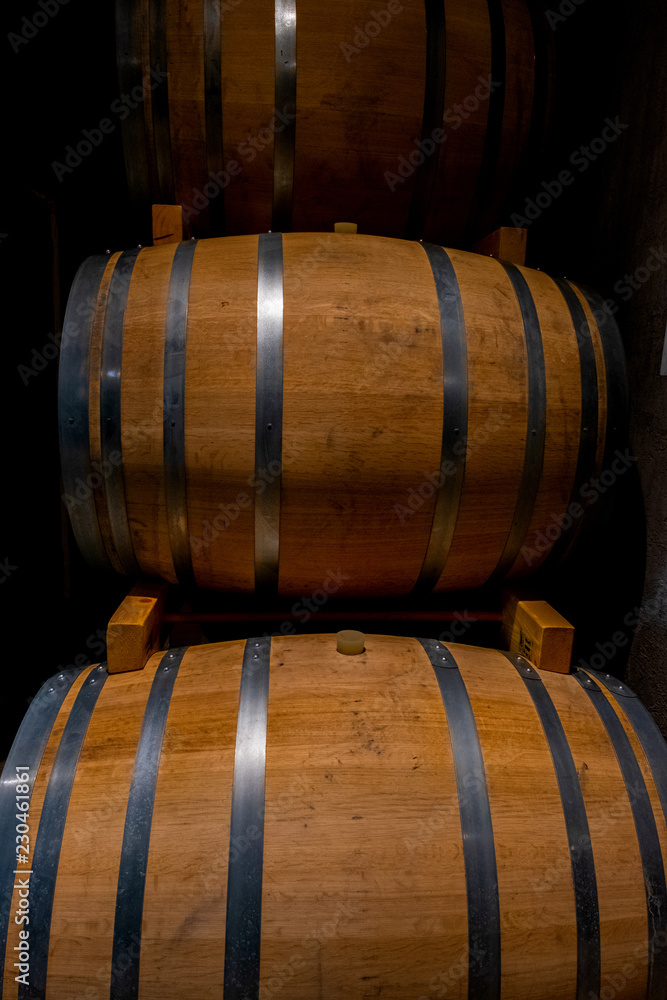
<point x="249" y="413"/>
<point x="412" y="120"/>
<point x="281" y="409"/>
<point x="419" y="817"/>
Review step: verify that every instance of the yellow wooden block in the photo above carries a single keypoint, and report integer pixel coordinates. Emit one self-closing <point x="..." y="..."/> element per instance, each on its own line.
<point x="167" y="224"/>
<point x="134" y="631"/>
<point x="345" y="227"/>
<point x="537" y="631"/>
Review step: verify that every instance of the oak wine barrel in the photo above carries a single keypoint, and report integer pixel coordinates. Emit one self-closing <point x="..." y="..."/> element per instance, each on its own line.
<point x="275" y="413"/>
<point x="411" y="119"/>
<point x="273" y="818"/>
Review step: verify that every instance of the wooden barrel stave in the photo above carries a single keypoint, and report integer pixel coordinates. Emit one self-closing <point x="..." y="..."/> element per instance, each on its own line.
<point x="362" y="409"/>
<point x="564" y="417"/>
<point x="363" y="858"/>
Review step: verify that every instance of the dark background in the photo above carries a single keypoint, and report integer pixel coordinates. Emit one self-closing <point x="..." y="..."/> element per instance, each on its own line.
<point x="610" y="61"/>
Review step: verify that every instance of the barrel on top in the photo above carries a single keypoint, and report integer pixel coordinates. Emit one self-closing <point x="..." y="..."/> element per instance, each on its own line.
<point x="274" y="818"/>
<point x="408" y="118"/>
<point x="362" y="414"/>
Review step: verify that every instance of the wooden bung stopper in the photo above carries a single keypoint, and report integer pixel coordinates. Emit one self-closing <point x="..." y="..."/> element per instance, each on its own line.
<point x="350" y="642"/>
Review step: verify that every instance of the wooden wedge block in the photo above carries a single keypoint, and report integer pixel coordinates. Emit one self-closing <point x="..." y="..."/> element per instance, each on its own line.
<point x="507" y="243"/>
<point x="134" y="631"/>
<point x="537" y="631"/>
<point x="167" y="224"/>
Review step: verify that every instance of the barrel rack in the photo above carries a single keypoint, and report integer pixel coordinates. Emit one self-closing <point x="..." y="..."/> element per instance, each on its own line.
<point x="506" y="242"/>
<point x="139" y="627"/>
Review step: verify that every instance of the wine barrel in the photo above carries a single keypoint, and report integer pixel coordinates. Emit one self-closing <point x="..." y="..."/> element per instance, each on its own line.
<point x="283" y="413"/>
<point x="413" y="119"/>
<point x="414" y="821"/>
